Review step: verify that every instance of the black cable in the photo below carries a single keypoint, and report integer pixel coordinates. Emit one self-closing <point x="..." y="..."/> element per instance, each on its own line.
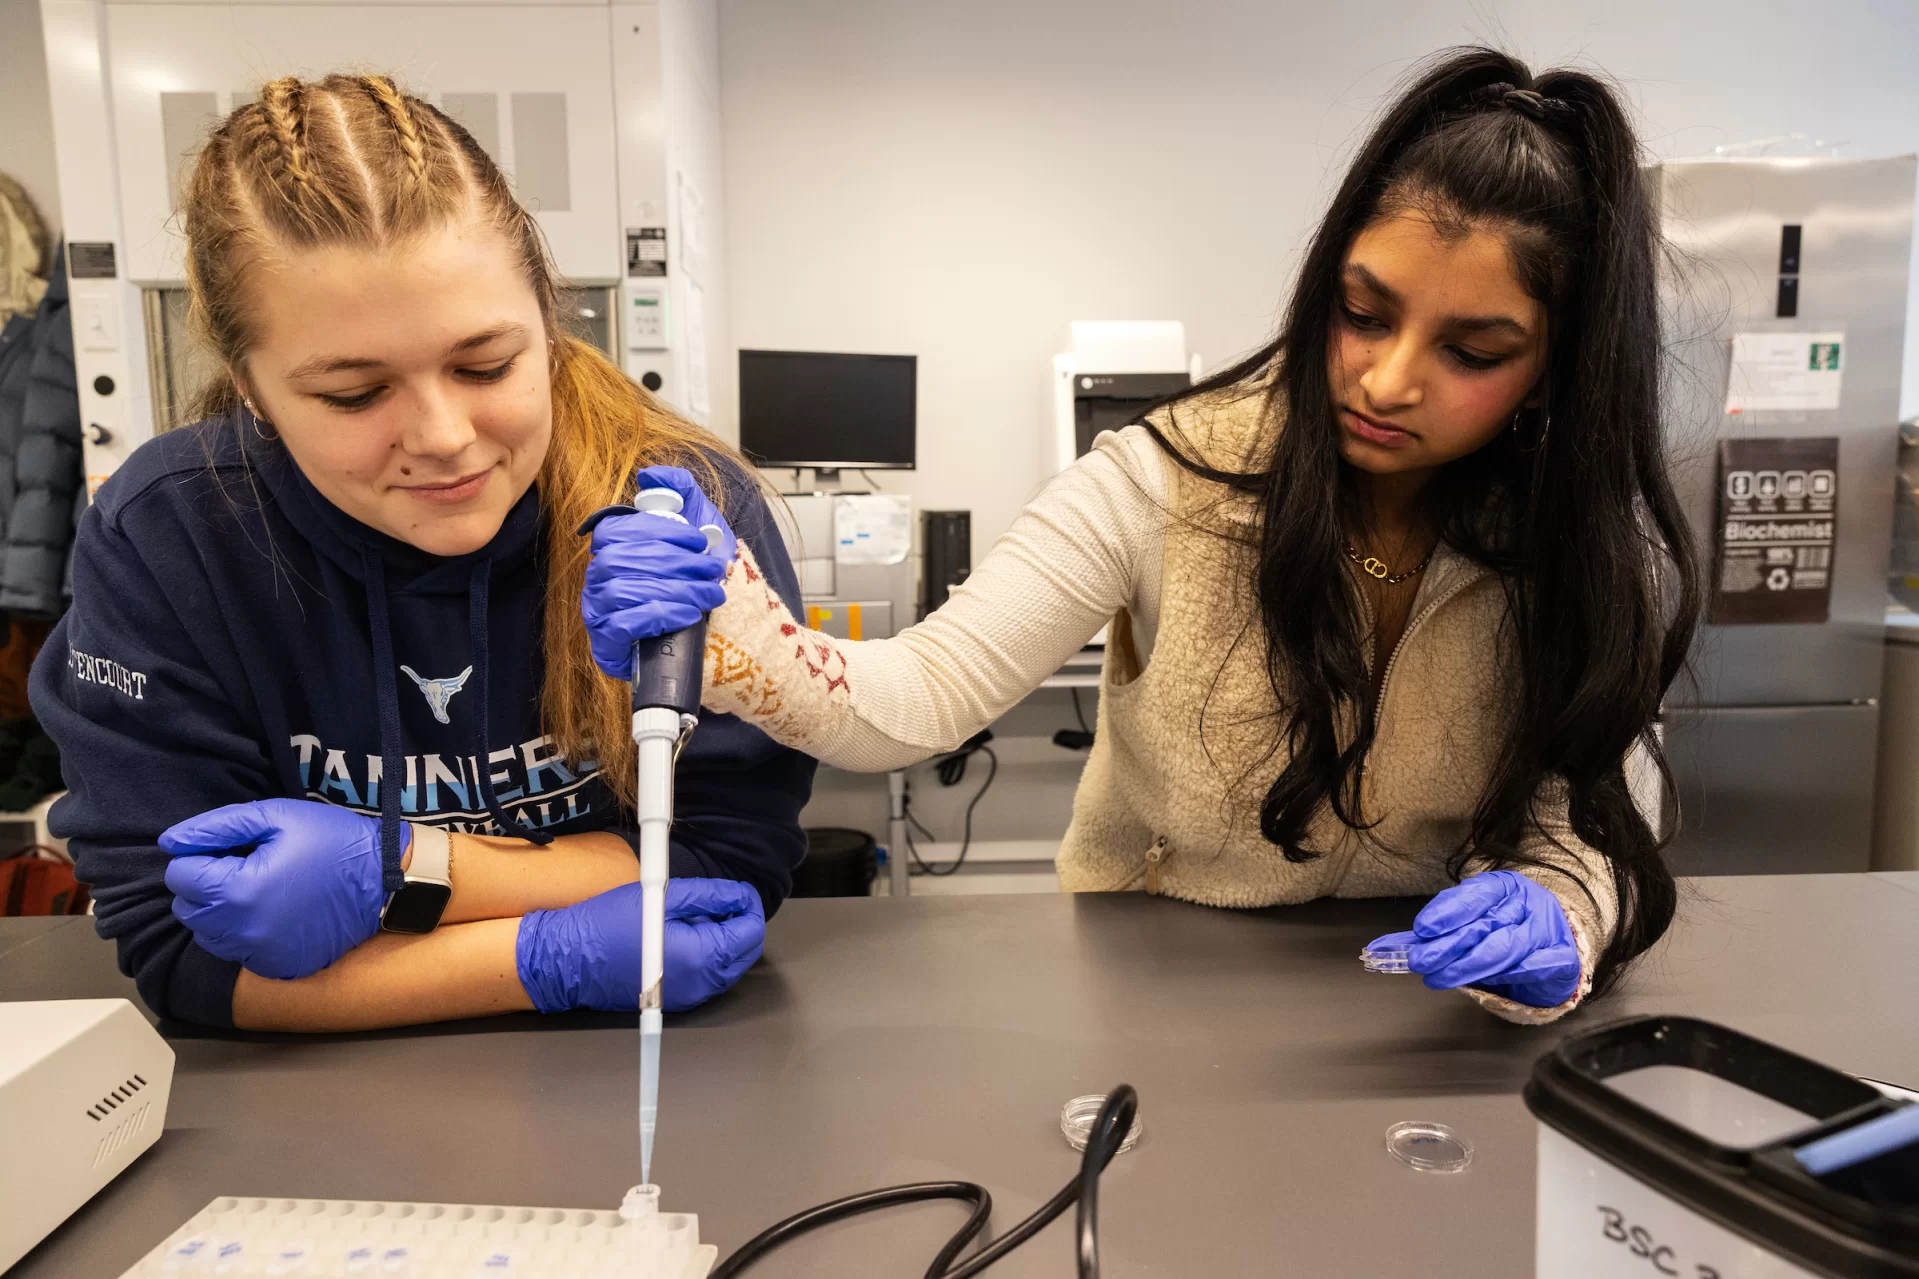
<point x="1108" y="1133"/>
<point x="966" y="839"/>
<point x="852" y="1205"/>
<point x="872" y="485"/>
<point x="1066" y="738"/>
<point x="1103" y="1141"/>
<point x="912" y="849"/>
<point x="951" y="770"/>
<point x="951" y="767"/>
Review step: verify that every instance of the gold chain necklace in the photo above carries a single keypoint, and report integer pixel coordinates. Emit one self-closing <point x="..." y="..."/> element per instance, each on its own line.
<point x="1375" y="567"/>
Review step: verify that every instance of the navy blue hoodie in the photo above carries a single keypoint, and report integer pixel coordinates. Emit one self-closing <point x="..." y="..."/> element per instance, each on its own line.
<point x="235" y="636"/>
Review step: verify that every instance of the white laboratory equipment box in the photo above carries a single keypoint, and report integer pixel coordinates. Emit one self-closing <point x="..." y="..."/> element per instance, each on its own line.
<point x="605" y="117"/>
<point x="83" y="1093"/>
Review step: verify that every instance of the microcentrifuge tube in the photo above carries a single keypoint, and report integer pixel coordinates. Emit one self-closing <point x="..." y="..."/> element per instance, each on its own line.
<point x="1385" y="959"/>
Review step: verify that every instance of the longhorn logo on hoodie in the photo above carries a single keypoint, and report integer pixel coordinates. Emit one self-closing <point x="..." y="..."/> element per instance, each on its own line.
<point x="439" y="692"/>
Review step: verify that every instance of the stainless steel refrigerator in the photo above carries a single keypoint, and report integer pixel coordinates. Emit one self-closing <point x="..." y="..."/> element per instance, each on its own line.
<point x="1787" y="299"/>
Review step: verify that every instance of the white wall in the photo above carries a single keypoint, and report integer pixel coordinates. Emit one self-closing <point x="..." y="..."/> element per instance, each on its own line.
<point x="690" y="92"/>
<point x="959" y="180"/>
<point x="26" y="116"/>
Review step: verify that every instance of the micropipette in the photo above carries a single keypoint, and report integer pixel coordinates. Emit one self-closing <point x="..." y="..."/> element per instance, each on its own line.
<point x="666" y="707"/>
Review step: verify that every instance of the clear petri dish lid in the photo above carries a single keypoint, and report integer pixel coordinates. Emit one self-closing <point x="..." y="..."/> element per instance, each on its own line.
<point x="1428" y="1147"/>
<point x="1076" y="1121"/>
<point x="1385" y="959"/>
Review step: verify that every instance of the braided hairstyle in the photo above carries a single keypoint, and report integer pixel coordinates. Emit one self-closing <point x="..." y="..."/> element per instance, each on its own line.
<point x="355" y="161"/>
<point x="1573" y="508"/>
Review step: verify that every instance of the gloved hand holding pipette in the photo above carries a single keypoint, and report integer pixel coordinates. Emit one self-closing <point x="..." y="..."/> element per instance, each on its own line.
<point x="652" y="575"/>
<point x="588" y="955"/>
<point x="1500" y="931"/>
<point x="647" y="593"/>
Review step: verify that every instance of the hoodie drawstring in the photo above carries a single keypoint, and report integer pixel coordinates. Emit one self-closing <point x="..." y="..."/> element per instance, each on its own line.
<point x="387" y="696"/>
<point x="387" y="693"/>
<point x="477" y="638"/>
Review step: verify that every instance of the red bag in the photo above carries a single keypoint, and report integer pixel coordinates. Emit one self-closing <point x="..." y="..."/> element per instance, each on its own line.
<point x="35" y="886"/>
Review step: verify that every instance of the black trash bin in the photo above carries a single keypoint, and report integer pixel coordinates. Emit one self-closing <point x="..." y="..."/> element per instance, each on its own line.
<point x="839" y="863"/>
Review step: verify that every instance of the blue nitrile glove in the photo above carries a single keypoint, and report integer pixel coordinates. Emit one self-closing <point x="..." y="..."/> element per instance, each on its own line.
<point x="651" y="575"/>
<point x="1500" y="931"/>
<point x="588" y="955"/>
<point x="308" y="894"/>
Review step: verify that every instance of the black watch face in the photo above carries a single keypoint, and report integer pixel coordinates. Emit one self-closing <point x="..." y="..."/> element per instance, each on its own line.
<point x="416" y="908"/>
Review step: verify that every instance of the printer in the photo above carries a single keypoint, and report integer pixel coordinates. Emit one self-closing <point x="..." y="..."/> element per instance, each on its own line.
<point x="1114" y="370"/>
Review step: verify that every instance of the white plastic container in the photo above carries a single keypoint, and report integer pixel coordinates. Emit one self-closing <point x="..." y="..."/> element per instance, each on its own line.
<point x="1701" y="1182"/>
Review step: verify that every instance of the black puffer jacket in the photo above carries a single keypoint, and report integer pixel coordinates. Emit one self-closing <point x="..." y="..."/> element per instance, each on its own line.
<point x="40" y="474"/>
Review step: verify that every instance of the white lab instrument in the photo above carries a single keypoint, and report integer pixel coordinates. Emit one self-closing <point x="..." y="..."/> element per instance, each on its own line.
<point x="1115" y="369"/>
<point x="321" y="1238"/>
<point x="598" y="110"/>
<point x="83" y="1091"/>
<point x="854" y="556"/>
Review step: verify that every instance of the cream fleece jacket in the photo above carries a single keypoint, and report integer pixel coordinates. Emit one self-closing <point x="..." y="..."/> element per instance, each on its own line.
<point x="1187" y="736"/>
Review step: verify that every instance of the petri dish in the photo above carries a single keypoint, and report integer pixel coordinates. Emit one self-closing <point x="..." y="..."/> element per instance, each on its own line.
<point x="1428" y="1147"/>
<point x="1076" y="1121"/>
<point x="1385" y="959"/>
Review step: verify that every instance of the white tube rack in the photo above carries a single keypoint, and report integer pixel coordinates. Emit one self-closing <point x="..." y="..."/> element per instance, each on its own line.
<point x="245" y="1238"/>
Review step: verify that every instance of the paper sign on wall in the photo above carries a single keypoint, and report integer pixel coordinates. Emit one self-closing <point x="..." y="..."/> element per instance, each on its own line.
<point x="1778" y="523"/>
<point x="692" y="229"/>
<point x="698" y="394"/>
<point x="645" y="251"/>
<point x="1785" y="371"/>
<point x="872" y="528"/>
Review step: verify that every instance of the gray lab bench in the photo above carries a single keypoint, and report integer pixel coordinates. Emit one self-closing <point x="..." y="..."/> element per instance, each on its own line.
<point x="889" y="1041"/>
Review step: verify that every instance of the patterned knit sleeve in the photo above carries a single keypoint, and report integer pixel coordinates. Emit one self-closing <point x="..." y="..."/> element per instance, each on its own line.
<point x="1071" y="560"/>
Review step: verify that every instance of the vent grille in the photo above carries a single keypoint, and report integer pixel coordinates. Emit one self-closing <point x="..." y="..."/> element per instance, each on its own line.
<point x="119" y="1097"/>
<point x="122" y="1133"/>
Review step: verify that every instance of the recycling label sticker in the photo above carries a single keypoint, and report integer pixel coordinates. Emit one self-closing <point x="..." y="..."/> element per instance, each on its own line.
<point x="1778" y="522"/>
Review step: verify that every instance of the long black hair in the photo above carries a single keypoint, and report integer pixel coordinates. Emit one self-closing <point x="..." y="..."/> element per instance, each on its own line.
<point x="1572" y="507"/>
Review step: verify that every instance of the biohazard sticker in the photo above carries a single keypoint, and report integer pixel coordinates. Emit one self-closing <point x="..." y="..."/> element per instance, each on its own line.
<point x="1778" y="521"/>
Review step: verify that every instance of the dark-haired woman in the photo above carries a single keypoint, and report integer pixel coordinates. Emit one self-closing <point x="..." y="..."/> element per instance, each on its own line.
<point x="1392" y="600"/>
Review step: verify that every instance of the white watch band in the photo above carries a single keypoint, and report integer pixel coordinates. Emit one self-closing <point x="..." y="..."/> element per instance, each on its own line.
<point x="432" y="859"/>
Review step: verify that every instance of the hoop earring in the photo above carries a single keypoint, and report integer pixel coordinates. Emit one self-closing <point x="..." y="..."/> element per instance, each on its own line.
<point x="259" y="422"/>
<point x="1545" y="428"/>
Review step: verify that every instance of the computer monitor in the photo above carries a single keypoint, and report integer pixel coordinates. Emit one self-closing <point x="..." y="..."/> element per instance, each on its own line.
<point x="831" y="411"/>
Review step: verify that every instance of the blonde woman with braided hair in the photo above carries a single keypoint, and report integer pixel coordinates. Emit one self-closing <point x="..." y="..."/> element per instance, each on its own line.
<point x="339" y="752"/>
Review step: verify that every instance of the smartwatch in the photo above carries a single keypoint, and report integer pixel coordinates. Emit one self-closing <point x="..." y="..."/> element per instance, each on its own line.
<point x="416" y="906"/>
